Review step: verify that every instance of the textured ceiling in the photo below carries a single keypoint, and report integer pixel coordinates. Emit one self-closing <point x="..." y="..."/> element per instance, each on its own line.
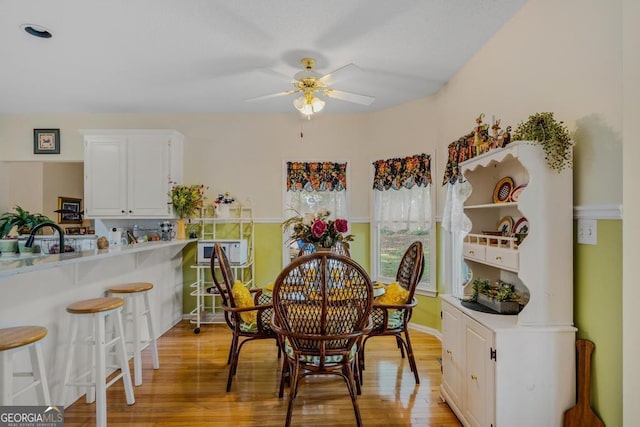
<point x="172" y="56"/>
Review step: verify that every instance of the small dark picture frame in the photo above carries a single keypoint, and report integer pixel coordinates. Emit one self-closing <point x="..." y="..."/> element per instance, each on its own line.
<point x="46" y="141"/>
<point x="71" y="204"/>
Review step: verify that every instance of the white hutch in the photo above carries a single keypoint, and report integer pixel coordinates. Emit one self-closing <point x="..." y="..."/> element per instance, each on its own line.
<point x="514" y="370"/>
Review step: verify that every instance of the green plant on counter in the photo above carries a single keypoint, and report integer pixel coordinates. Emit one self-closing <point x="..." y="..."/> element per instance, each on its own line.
<point x="480" y="287"/>
<point x="506" y="292"/>
<point x="553" y="135"/>
<point x="21" y="219"/>
<point x="502" y="292"/>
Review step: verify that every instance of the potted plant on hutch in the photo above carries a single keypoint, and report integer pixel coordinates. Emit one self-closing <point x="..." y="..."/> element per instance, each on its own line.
<point x="186" y="200"/>
<point x="23" y="221"/>
<point x="552" y="135"/>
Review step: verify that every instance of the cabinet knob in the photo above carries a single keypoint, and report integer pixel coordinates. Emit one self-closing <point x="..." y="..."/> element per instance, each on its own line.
<point x="130" y="211"/>
<point x="471" y="252"/>
<point x="123" y="211"/>
<point x="473" y="377"/>
<point x="498" y="258"/>
<point x="449" y="352"/>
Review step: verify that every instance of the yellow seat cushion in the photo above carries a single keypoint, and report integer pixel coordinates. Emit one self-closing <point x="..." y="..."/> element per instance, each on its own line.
<point x="393" y="294"/>
<point x="242" y="297"/>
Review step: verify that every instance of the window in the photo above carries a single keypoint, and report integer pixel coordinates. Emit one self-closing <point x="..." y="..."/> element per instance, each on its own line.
<point x="402" y="214"/>
<point x="310" y="187"/>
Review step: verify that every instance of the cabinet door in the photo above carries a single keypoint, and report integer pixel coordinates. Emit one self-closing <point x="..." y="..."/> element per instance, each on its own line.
<point x="148" y="166"/>
<point x="480" y="374"/>
<point x="452" y="354"/>
<point x="105" y="181"/>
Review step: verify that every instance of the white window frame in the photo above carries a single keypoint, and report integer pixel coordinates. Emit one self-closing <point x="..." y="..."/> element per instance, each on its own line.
<point x="427" y="285"/>
<point x="285" y="236"/>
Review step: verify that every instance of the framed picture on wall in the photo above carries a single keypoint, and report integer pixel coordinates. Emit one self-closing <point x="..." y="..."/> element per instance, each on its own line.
<point x="69" y="210"/>
<point x="46" y="141"/>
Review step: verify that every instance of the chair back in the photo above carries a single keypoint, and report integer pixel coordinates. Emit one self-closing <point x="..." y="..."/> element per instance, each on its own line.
<point x="411" y="268"/>
<point x="321" y="304"/>
<point x="225" y="283"/>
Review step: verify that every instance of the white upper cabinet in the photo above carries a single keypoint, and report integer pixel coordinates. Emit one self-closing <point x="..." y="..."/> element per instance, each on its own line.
<point x="128" y="173"/>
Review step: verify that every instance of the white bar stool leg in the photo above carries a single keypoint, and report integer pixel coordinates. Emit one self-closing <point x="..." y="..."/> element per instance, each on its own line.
<point x="124" y="364"/>
<point x="101" y="371"/>
<point x="39" y="374"/>
<point x="152" y="333"/>
<point x="137" y="345"/>
<point x="18" y="339"/>
<point x="6" y="379"/>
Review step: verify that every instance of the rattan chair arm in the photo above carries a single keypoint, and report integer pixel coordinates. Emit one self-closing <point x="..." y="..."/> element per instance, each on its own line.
<point x="260" y="307"/>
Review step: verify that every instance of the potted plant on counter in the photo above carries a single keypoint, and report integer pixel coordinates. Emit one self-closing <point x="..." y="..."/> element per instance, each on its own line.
<point x="22" y="221"/>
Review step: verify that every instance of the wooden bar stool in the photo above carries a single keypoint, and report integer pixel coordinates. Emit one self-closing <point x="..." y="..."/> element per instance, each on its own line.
<point x="12" y="341"/>
<point x="132" y="293"/>
<point x="97" y="310"/>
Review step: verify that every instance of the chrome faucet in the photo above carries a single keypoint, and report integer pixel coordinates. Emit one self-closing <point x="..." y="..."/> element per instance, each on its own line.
<point x="31" y="238"/>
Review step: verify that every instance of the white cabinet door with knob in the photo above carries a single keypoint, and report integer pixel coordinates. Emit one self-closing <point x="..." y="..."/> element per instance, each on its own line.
<point x="129" y="173"/>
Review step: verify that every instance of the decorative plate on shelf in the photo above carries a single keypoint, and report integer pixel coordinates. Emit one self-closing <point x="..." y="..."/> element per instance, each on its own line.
<point x="502" y="190"/>
<point x="505" y="225"/>
<point x="521" y="226"/>
<point x="515" y="193"/>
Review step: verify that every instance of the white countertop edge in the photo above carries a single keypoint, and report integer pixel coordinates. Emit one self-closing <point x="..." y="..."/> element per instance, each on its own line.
<point x="504" y="323"/>
<point x="16" y="265"/>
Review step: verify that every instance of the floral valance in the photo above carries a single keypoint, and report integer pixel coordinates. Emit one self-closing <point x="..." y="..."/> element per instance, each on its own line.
<point x="459" y="151"/>
<point x="402" y="172"/>
<point x="316" y="176"/>
<point x="476" y="142"/>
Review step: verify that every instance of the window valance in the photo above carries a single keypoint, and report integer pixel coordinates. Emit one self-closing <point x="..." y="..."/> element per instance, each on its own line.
<point x="316" y="176"/>
<point x="402" y="172"/>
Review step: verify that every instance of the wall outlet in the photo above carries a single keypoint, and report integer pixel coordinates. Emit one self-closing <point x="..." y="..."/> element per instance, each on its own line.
<point x="587" y="231"/>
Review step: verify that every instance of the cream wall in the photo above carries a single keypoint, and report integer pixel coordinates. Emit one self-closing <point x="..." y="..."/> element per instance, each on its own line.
<point x="561" y="56"/>
<point x="36" y="186"/>
<point x="630" y="229"/>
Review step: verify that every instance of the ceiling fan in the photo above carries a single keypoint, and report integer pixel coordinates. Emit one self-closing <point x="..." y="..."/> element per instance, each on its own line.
<point x="310" y="84"/>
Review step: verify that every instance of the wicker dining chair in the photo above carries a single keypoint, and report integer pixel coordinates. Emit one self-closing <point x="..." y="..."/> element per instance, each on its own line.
<point x="322" y="304"/>
<point x="393" y="320"/>
<point x="242" y="331"/>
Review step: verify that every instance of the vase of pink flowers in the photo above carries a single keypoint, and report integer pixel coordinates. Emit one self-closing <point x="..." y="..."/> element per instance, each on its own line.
<point x="318" y="229"/>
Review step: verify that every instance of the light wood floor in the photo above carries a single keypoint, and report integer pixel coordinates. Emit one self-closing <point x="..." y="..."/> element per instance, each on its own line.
<point x="189" y="387"/>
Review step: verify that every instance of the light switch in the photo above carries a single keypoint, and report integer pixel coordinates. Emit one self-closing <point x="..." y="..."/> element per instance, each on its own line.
<point x="587" y="231"/>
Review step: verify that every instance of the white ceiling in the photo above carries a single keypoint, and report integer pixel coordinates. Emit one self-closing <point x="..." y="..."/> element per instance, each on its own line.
<point x="188" y="56"/>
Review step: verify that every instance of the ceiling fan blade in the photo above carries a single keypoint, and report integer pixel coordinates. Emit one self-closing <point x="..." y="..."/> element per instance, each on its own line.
<point x="349" y="96"/>
<point x="342" y="73"/>
<point x="272" y="95"/>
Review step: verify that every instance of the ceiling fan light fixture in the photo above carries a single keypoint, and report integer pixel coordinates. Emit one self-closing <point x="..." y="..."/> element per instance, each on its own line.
<point x="308" y="104"/>
<point x="317" y="104"/>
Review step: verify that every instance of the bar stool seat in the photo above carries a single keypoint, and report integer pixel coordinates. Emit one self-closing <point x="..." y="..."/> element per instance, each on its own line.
<point x="12" y="341"/>
<point x="132" y="292"/>
<point x="97" y="310"/>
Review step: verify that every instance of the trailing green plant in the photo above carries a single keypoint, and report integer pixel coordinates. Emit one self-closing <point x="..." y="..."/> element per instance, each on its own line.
<point x="21" y="219"/>
<point x="553" y="135"/>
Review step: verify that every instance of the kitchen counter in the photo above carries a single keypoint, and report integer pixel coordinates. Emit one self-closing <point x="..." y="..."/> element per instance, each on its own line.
<point x="36" y="289"/>
<point x="11" y="264"/>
